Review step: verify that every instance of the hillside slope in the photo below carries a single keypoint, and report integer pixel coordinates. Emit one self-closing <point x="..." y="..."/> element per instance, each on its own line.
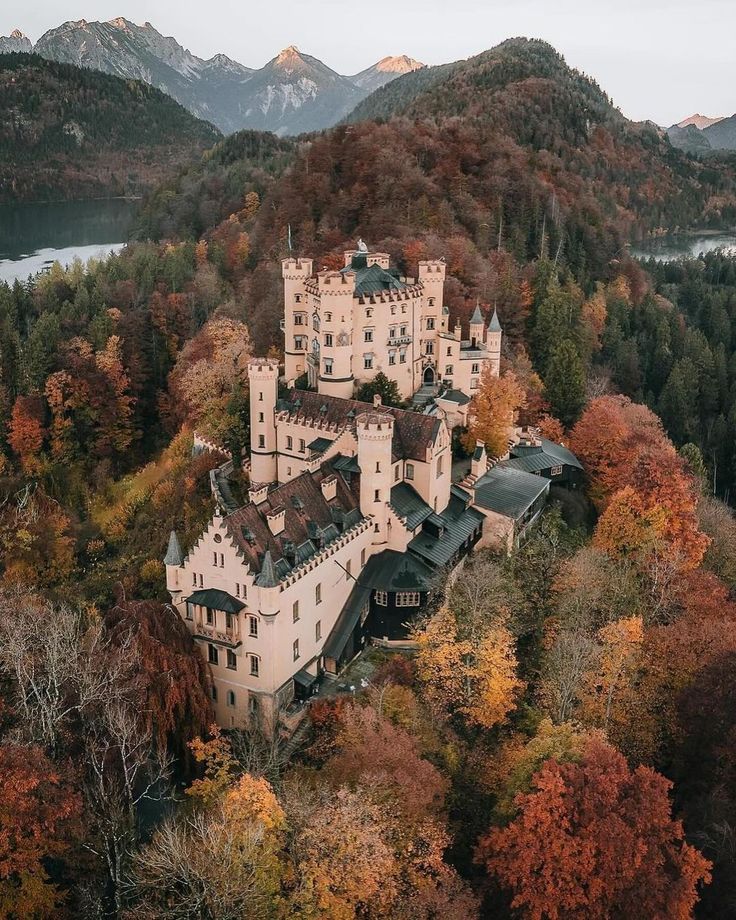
<point x="66" y="132"/>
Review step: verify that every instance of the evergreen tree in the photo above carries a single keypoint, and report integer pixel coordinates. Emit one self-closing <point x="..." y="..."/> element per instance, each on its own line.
<point x="564" y="383"/>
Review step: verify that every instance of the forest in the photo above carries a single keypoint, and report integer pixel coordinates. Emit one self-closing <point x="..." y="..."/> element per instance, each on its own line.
<point x="562" y="740"/>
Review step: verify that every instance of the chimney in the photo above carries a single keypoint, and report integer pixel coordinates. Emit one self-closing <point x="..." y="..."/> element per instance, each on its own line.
<point x="329" y="488"/>
<point x="258" y="493"/>
<point x="377" y="401"/>
<point x="276" y="518"/>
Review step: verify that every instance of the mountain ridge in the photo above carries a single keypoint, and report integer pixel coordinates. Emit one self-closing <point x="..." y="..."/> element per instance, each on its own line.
<point x="292" y="93"/>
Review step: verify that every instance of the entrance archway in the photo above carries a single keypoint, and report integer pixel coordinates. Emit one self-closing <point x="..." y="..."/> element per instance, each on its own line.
<point x="429" y="375"/>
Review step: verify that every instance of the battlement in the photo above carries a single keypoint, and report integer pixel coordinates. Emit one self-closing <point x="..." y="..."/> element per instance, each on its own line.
<point x="375" y="424"/>
<point x="296" y="269"/>
<point x="338" y="280"/>
<point x="263" y="369"/>
<point x="432" y="269"/>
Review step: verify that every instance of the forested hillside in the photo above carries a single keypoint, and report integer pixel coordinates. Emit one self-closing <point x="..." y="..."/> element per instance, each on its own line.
<point x="573" y="697"/>
<point x="72" y="133"/>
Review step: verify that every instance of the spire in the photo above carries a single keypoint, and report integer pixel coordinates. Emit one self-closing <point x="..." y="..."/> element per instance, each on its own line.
<point x="174" y="555"/>
<point x="267" y="577"/>
<point x="477" y="317"/>
<point x="494" y="325"/>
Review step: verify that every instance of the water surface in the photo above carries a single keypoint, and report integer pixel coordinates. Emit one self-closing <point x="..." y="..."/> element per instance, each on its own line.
<point x="34" y="236"/>
<point x="669" y="248"/>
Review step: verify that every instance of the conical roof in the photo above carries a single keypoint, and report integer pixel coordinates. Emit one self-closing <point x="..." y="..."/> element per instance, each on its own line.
<point x="174" y="554"/>
<point x="267" y="577"/>
<point x="494" y="325"/>
<point x="477" y="317"/>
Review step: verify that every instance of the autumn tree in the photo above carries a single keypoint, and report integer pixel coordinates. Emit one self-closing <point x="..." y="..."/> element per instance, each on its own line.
<point x="39" y="814"/>
<point x="27" y="430"/>
<point x="594" y="840"/>
<point x="492" y="409"/>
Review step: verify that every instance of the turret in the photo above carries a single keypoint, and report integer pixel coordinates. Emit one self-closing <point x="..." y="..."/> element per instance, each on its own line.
<point x="335" y="333"/>
<point x="295" y="273"/>
<point x="493" y="341"/>
<point x="375" y="438"/>
<point x="263" y="375"/>
<point x="174" y="561"/>
<point x="432" y="277"/>
<point x="476" y="327"/>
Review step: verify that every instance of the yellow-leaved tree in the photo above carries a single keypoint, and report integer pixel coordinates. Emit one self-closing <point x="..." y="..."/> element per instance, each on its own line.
<point x="492" y="411"/>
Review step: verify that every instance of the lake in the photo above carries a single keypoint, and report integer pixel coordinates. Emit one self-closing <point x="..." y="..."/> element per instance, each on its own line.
<point x="669" y="248"/>
<point x="34" y="236"/>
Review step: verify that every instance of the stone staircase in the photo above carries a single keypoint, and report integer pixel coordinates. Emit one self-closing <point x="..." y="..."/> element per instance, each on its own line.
<point x="425" y="394"/>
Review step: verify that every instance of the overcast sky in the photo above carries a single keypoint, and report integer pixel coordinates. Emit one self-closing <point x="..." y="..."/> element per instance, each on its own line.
<point x="658" y="59"/>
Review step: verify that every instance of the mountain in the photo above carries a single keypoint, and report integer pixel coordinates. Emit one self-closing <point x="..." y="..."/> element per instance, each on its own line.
<point x="386" y="70"/>
<point x="722" y="134"/>
<point x="698" y="121"/>
<point x="689" y="138"/>
<point x="15" y="42"/>
<point x="68" y="132"/>
<point x="293" y="93"/>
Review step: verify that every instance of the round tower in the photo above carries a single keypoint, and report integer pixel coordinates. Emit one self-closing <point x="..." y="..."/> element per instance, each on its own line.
<point x="295" y="273"/>
<point x="493" y="342"/>
<point x="263" y="375"/>
<point x="375" y="437"/>
<point x="335" y="333"/>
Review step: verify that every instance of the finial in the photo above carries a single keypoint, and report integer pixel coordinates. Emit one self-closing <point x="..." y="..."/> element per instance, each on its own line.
<point x="362" y="246"/>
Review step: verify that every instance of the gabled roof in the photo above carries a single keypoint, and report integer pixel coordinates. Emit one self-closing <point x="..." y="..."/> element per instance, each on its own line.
<point x="409" y="504"/>
<point x="508" y="491"/>
<point x="542" y="457"/>
<point x="457" y="524"/>
<point x="393" y="571"/>
<point x="174" y="554"/>
<point x="310" y="523"/>
<point x="413" y="432"/>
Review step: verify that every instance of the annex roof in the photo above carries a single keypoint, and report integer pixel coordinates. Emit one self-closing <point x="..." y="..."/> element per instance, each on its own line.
<point x="453" y="527"/>
<point x="541" y="457"/>
<point x="508" y="491"/>
<point x="216" y="599"/>
<point x="409" y="504"/>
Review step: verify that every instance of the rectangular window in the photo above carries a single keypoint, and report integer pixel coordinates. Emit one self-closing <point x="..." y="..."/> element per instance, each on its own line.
<point x="318" y="594"/>
<point x="201" y="580"/>
<point x="392" y="358"/>
<point x="369" y="313"/>
<point x="556" y="471"/>
<point x="408" y="599"/>
<point x="377" y="495"/>
<point x="429" y="348"/>
<point x="190" y="611"/>
<point x="253" y="627"/>
<point x="228" y="621"/>
<point x="194" y="578"/>
<point x="439" y="466"/>
<point x="430" y="322"/>
<point x="210" y="617"/>
<point x="368" y="362"/>
<point x="253" y="704"/>
<point x="448" y="371"/>
<point x="449" y="350"/>
<point x="222" y="560"/>
<point x="409" y="470"/>
<point x="381" y="598"/>
<point x="403" y="331"/>
<point x="297" y="298"/>
<point x="362" y="558"/>
<point x="213" y="693"/>
<point x="237" y="589"/>
<point x="289" y="442"/>
<point x="328" y="367"/>
<point x="396" y="473"/>
<point x="296" y="649"/>
<point x="349" y="568"/>
<point x="392" y="332"/>
<point x="328" y="339"/>
<point x="230" y="698"/>
<point x="368" y="335"/>
<point x="318" y="630"/>
<point x="261" y="441"/>
<point x="232" y="661"/>
<point x="328" y="317"/>
<point x="302" y="445"/>
<point x="255" y="666"/>
<point x="473" y="383"/>
<point x="402" y="357"/>
<point x="213" y="655"/>
<point x="475" y="369"/>
<point x="261" y="417"/>
<point x="295" y="612"/>
<point x="214" y="558"/>
<point x="299" y="319"/>
<point x="430" y="301"/>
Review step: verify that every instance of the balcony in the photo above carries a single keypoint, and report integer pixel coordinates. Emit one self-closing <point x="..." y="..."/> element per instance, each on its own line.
<point x="399" y="340"/>
<point x="227" y="637"/>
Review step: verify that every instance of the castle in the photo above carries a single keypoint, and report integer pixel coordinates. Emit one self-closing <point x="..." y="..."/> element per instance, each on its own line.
<point x="352" y="510"/>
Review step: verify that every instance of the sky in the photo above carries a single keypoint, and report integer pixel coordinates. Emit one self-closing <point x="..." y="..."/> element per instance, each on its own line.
<point x="657" y="59"/>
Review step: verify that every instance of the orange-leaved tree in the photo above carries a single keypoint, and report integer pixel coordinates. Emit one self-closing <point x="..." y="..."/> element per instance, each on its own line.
<point x="492" y="411"/>
<point x="596" y="840"/>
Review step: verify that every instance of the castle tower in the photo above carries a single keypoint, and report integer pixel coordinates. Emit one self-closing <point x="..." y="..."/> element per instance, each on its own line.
<point x="432" y="276"/>
<point x="334" y="333"/>
<point x="493" y="341"/>
<point x="174" y="560"/>
<point x="375" y="437"/>
<point x="476" y="327"/>
<point x="295" y="273"/>
<point x="263" y="375"/>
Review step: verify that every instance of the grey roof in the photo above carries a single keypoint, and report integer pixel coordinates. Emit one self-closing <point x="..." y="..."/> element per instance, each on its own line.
<point x="346" y="464"/>
<point x="456" y="396"/>
<point x="174" y="554"/>
<point x="347" y="621"/>
<point x="216" y="599"/>
<point x="319" y="445"/>
<point x="508" y="491"/>
<point x="494" y="325"/>
<point x="477" y="317"/>
<point x="458" y="523"/>
<point x="408" y="504"/>
<point x="267" y="577"/>
<point x="392" y="571"/>
<point x="553" y="455"/>
<point x="372" y="279"/>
